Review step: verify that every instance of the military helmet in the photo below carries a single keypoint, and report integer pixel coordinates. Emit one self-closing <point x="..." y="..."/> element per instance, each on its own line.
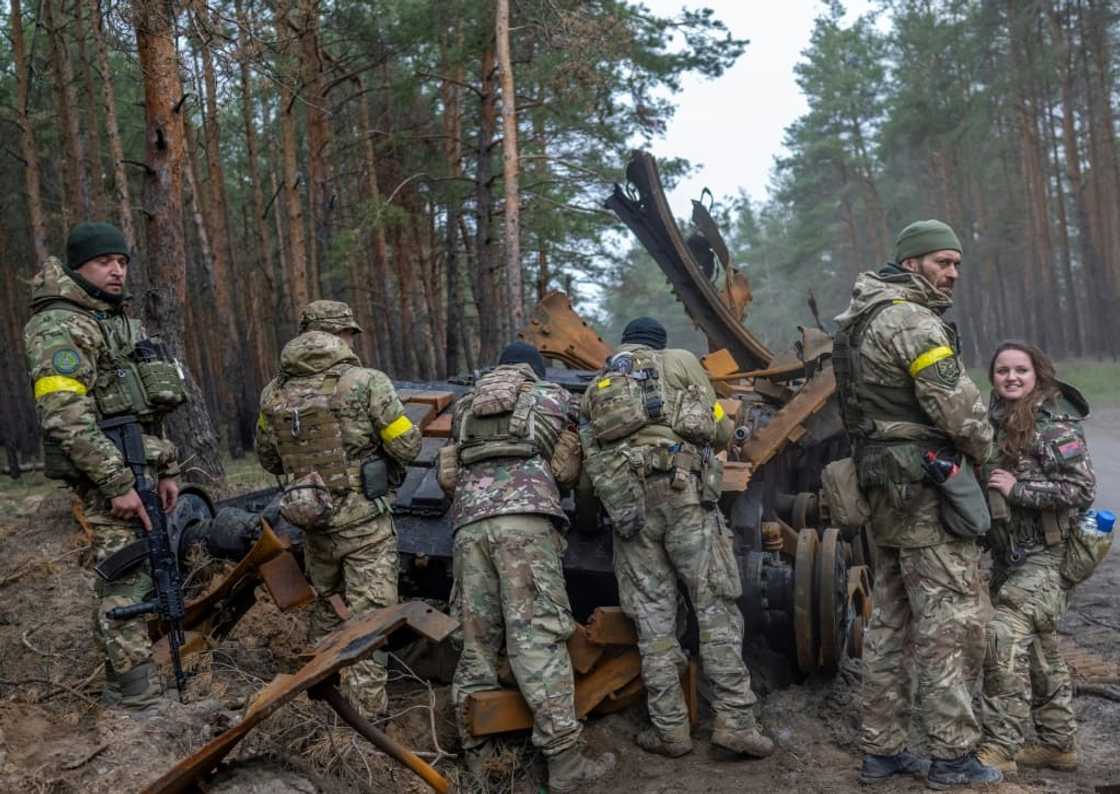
<point x="329" y="316"/>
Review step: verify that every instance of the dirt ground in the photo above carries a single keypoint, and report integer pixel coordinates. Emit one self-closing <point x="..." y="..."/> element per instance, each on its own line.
<point x="55" y="737"/>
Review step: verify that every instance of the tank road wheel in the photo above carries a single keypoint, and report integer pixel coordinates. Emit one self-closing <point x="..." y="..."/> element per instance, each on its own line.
<point x="805" y="627"/>
<point x="800" y="512"/>
<point x="832" y="593"/>
<point x="859" y="608"/>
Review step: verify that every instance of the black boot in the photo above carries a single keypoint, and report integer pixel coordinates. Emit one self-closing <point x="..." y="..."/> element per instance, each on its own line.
<point x="963" y="771"/>
<point x="877" y="768"/>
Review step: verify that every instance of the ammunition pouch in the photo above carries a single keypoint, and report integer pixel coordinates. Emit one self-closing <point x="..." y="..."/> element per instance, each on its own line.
<point x="691" y="416"/>
<point x="618" y="477"/>
<point x="160" y="374"/>
<point x="447" y="468"/>
<point x="711" y="482"/>
<point x="123" y="560"/>
<point x="375" y="478"/>
<point x="567" y="458"/>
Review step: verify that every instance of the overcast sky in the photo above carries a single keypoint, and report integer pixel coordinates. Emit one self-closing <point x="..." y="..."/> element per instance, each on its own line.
<point x="732" y="127"/>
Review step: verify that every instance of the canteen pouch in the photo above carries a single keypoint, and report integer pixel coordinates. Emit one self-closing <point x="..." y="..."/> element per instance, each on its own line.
<point x="307" y="503"/>
<point x="711" y="481"/>
<point x="447" y="468"/>
<point x="692" y="417"/>
<point x="618" y="484"/>
<point x="375" y="478"/>
<point x="964" y="505"/>
<point x="847" y="505"/>
<point x="1084" y="552"/>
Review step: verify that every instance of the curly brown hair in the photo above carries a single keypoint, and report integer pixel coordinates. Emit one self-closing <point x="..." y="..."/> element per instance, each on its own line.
<point x="1018" y="417"/>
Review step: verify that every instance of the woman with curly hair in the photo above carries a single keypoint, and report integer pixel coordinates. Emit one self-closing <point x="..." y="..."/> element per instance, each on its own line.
<point x="1041" y="468"/>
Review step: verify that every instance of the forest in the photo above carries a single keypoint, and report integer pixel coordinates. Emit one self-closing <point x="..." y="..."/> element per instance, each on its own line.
<point x="440" y="164"/>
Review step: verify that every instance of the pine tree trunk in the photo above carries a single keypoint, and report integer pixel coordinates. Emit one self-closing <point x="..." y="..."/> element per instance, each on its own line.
<point x="490" y="305"/>
<point x="297" y="247"/>
<point x="319" y="196"/>
<point x="75" y="202"/>
<point x="164" y="303"/>
<point x="92" y="127"/>
<point x="37" y="223"/>
<point x="511" y="167"/>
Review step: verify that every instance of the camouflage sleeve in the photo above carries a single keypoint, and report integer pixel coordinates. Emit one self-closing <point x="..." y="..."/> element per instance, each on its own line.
<point x="165" y="454"/>
<point x="265" y="442"/>
<point x="62" y="349"/>
<point x="922" y="347"/>
<point x="399" y="436"/>
<point x="1066" y="479"/>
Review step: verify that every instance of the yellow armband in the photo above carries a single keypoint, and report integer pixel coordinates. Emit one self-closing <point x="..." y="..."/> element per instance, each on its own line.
<point x="929" y="358"/>
<point x="53" y="383"/>
<point x="397" y="428"/>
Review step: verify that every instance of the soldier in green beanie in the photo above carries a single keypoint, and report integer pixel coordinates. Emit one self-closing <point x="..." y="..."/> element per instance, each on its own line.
<point x="904" y="393"/>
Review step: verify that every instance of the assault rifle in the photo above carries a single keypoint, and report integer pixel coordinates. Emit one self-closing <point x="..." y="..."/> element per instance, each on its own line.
<point x="127" y="436"/>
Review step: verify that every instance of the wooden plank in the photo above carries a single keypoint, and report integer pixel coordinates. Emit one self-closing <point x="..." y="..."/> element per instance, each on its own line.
<point x="421" y="414"/>
<point x="768" y="441"/>
<point x="437" y="399"/>
<point x="610" y="626"/>
<point x="583" y="652"/>
<point x="286" y="582"/>
<point x="731" y="407"/>
<point x="610" y="675"/>
<point x="440" y="427"/>
<point x="736" y="476"/>
<point x="691" y="696"/>
<point x="497" y="711"/>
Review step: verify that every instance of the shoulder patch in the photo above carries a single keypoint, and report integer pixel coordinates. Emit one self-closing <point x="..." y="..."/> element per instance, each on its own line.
<point x="948" y="371"/>
<point x="66" y="361"/>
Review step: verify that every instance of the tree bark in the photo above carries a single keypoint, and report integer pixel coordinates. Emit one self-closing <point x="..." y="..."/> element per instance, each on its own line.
<point x="75" y="202"/>
<point x="511" y="167"/>
<point x="162" y="196"/>
<point x="319" y="195"/>
<point x="490" y="305"/>
<point x="92" y="128"/>
<point x="37" y="223"/>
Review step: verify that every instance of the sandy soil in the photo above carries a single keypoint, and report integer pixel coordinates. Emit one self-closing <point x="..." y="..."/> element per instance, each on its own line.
<point x="54" y="736"/>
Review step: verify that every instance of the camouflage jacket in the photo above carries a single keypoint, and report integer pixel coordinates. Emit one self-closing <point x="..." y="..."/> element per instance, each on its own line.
<point x="370" y="414"/>
<point x="1053" y="473"/>
<point x="69" y="358"/>
<point x="504" y="486"/>
<point x="677" y="370"/>
<point x="908" y="346"/>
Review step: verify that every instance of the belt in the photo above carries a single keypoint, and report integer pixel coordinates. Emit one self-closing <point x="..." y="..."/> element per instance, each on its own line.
<point x="666" y="459"/>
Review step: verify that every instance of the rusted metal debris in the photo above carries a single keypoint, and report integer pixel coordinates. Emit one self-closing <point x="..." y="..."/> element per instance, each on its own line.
<point x="558" y="332"/>
<point x="350" y="643"/>
<point x="608" y="678"/>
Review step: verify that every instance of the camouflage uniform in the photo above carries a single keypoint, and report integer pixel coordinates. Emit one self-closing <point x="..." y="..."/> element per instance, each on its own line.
<point x="1023" y="659"/>
<point x="686" y="540"/>
<point x="927" y="583"/>
<point x="508" y="575"/>
<point x="72" y="341"/>
<point x="355" y="555"/>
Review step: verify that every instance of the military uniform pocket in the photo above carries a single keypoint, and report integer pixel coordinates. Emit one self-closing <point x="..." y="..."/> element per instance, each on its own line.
<point x="724" y="569"/>
<point x="619" y="488"/>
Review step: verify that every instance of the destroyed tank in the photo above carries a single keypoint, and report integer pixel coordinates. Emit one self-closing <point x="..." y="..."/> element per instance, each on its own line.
<point x="806" y="589"/>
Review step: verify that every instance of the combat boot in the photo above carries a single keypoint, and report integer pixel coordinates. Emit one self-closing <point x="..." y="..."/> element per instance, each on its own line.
<point x="651" y="740"/>
<point x="994" y="756"/>
<point x="1043" y="755"/>
<point x="963" y="771"/>
<point x="744" y="741"/>
<point x="571" y="770"/>
<point x="877" y="768"/>
<point x="135" y="690"/>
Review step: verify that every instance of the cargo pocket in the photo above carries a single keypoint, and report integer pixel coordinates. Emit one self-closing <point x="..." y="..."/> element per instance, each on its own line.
<point x="724" y="569"/>
<point x="618" y="485"/>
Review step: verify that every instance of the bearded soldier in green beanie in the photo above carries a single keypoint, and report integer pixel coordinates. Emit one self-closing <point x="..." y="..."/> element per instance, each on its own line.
<point x="904" y="394"/>
<point x="89" y="362"/>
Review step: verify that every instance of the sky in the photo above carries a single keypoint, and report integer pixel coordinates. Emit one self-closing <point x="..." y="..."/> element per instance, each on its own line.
<point x="731" y="127"/>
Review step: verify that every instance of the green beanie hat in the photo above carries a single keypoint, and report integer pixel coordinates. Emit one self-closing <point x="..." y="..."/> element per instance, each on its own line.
<point x="89" y="240"/>
<point x="921" y="237"/>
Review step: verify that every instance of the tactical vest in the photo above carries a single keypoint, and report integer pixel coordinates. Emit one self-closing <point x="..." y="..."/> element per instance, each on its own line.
<point x="501" y="420"/>
<point x="308" y="432"/>
<point x="627" y="396"/>
<point x="861" y="404"/>
<point x="143" y="380"/>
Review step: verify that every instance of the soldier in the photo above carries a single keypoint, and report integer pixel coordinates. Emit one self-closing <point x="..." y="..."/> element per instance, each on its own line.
<point x="82" y="355"/>
<point x="1042" y="469"/>
<point x="502" y="469"/>
<point x="649" y="423"/>
<point x="339" y="429"/>
<point x="903" y="392"/>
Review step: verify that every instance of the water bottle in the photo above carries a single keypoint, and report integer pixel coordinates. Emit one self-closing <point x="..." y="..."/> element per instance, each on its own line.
<point x="1088" y="545"/>
<point x="1096" y="522"/>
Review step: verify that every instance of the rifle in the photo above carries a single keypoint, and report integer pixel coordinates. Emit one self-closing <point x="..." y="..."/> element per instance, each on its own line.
<point x="126" y="435"/>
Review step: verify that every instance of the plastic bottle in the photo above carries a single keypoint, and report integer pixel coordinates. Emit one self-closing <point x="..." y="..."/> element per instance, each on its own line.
<point x="1096" y="522"/>
<point x="1105" y="521"/>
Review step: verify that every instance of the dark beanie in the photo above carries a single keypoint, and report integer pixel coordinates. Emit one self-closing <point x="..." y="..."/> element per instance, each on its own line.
<point x="523" y="353"/>
<point x="645" y="331"/>
<point x="923" y="237"/>
<point x="90" y="240"/>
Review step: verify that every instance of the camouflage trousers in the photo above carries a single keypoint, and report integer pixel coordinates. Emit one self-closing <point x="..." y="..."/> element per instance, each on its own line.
<point x="510" y="584"/>
<point x="683" y="540"/>
<point x="1024" y="673"/>
<point x="124" y="643"/>
<point x="358" y="563"/>
<point x="927" y="614"/>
